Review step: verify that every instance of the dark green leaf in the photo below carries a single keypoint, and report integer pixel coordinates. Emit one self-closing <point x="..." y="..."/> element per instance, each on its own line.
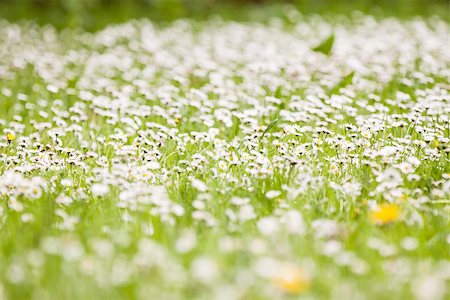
<point x="348" y="79"/>
<point x="326" y="45"/>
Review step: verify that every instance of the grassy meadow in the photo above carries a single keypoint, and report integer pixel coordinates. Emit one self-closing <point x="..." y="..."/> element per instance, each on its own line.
<point x="238" y="152"/>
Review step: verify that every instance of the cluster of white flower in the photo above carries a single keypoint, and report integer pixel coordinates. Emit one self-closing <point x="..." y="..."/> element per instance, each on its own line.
<point x="226" y="157"/>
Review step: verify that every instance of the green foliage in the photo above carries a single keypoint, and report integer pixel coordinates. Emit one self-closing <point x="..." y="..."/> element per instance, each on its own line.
<point x="95" y="14"/>
<point x="343" y="83"/>
<point x="325" y="46"/>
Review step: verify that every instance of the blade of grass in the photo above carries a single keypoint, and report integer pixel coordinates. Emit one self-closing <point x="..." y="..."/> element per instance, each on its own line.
<point x="271" y="125"/>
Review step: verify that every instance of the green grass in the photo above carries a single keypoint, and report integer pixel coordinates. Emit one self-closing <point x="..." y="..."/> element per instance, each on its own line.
<point x="94" y="14"/>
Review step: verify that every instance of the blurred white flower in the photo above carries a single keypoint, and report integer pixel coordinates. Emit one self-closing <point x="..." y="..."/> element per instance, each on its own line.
<point x="99" y="189"/>
<point x="268" y="225"/>
<point x="204" y="269"/>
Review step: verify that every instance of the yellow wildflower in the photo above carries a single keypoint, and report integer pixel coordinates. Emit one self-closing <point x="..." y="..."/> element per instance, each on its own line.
<point x="291" y="279"/>
<point x="385" y="213"/>
<point x="436" y="143"/>
<point x="10" y="136"/>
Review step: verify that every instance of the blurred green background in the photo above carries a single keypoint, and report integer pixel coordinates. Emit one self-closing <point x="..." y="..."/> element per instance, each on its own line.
<point x="94" y="14"/>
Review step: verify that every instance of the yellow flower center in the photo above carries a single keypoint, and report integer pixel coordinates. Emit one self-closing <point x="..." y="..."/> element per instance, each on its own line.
<point x="436" y="143"/>
<point x="404" y="197"/>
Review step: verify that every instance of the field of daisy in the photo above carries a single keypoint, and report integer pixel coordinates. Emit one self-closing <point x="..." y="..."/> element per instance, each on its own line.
<point x="305" y="157"/>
